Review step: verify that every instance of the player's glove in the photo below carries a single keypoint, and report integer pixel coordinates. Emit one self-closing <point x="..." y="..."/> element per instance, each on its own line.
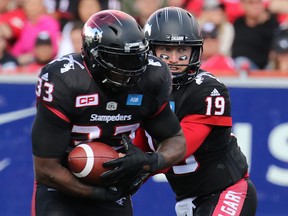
<point x="111" y="193"/>
<point x="137" y="182"/>
<point x="134" y="162"/>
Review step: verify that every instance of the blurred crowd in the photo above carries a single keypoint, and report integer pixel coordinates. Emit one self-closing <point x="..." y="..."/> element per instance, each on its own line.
<point x="249" y="35"/>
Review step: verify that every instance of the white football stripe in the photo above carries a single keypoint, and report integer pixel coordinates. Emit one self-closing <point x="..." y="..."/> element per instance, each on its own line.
<point x="90" y="161"/>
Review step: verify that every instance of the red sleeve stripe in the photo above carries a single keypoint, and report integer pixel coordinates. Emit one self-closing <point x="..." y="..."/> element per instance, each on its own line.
<point x="195" y="134"/>
<point x="161" y="108"/>
<point x="58" y="113"/>
<point x="212" y="120"/>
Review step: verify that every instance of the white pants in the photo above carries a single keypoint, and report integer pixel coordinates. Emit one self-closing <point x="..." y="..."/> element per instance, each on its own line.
<point x="185" y="207"/>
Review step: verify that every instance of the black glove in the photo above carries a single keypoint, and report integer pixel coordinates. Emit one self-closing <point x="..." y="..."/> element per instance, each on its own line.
<point x="111" y="193"/>
<point x="137" y="182"/>
<point x="134" y="162"/>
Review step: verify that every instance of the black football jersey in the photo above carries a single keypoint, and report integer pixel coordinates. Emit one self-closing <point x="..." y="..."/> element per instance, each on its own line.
<point x="73" y="108"/>
<point x="218" y="162"/>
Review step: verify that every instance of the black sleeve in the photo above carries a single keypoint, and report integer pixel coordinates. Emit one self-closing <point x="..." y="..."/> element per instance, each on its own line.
<point x="50" y="134"/>
<point x="154" y="126"/>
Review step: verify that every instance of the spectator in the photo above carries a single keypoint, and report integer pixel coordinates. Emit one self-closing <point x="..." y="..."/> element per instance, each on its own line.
<point x="4" y="6"/>
<point x="8" y="63"/>
<point x="212" y="58"/>
<point x="146" y="8"/>
<point x="76" y="37"/>
<point x="253" y="35"/>
<point x="176" y="3"/>
<point x="214" y="11"/>
<point x="12" y="23"/>
<point x="71" y="43"/>
<point x="279" y="53"/>
<point x="280" y="8"/>
<point x="37" y="20"/>
<point x="62" y="10"/>
<point x="110" y="4"/>
<point x="141" y="10"/>
<point x="232" y="7"/>
<point x="194" y="6"/>
<point x="43" y="53"/>
<point x="85" y="9"/>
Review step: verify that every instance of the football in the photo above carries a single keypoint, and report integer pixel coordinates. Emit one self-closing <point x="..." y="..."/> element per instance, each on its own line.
<point x="85" y="161"/>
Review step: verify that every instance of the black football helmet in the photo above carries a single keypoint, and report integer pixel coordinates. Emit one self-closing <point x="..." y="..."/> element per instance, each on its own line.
<point x="114" y="48"/>
<point x="175" y="26"/>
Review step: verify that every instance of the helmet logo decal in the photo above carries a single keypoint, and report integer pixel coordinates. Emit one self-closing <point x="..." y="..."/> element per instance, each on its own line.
<point x="147" y="28"/>
<point x="128" y="46"/>
<point x="92" y="34"/>
<point x="176" y="37"/>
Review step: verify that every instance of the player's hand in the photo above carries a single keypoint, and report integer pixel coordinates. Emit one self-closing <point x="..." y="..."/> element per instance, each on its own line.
<point x="137" y="182"/>
<point x="111" y="193"/>
<point x="134" y="162"/>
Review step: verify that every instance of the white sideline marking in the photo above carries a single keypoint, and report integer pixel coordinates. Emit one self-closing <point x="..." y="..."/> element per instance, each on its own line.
<point x="16" y="115"/>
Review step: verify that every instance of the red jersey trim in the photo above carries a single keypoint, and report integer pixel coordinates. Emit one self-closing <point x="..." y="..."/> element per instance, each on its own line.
<point x="211" y="120"/>
<point x="88" y="71"/>
<point x="160" y="110"/>
<point x="58" y="113"/>
<point x="232" y="199"/>
<point x="195" y="134"/>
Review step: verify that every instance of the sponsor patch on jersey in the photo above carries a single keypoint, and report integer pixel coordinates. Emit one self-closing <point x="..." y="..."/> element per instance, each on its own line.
<point x="87" y="100"/>
<point x="134" y="99"/>
<point x="111" y="106"/>
<point x="172" y="105"/>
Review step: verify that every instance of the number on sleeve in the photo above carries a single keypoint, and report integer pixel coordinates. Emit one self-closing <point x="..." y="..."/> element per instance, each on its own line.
<point x="219" y="105"/>
<point x="48" y="89"/>
<point x="38" y="88"/>
<point x="47" y="95"/>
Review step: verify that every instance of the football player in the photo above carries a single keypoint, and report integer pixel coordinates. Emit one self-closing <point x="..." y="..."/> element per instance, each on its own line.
<point x="104" y="94"/>
<point x="213" y="178"/>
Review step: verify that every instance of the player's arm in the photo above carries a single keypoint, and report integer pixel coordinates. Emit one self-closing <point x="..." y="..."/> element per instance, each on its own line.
<point x="165" y="127"/>
<point x="50" y="138"/>
<point x="195" y="133"/>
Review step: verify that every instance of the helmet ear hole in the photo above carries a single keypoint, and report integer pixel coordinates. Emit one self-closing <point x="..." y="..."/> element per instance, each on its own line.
<point x="115" y="41"/>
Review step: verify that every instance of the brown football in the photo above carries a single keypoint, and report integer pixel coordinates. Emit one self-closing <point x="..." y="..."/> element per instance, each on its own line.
<point x="85" y="161"/>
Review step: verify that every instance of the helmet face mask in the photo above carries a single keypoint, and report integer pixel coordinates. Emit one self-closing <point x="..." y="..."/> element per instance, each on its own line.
<point x="173" y="26"/>
<point x="123" y="67"/>
<point x="111" y="53"/>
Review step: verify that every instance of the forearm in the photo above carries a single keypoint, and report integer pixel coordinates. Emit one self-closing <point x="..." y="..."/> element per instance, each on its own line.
<point x="173" y="149"/>
<point x="58" y="177"/>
